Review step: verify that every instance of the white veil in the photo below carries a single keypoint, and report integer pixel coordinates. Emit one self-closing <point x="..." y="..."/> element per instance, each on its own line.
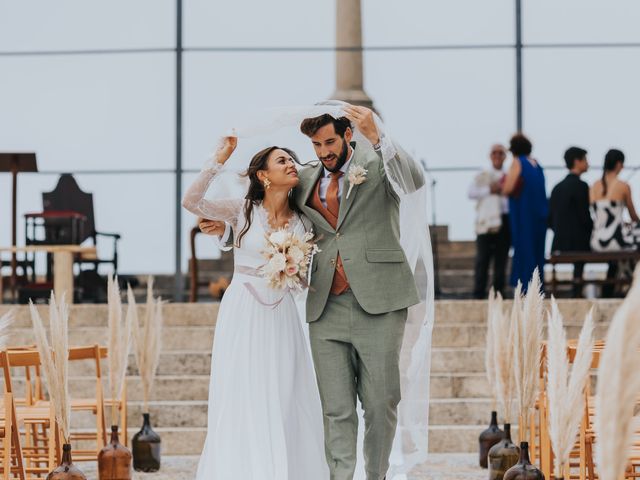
<point x="281" y="125"/>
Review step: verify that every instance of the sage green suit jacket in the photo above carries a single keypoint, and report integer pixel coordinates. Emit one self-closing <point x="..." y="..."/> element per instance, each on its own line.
<point x="367" y="237"/>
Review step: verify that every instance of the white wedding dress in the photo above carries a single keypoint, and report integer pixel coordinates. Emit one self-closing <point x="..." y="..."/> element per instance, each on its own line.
<point x="264" y="418"/>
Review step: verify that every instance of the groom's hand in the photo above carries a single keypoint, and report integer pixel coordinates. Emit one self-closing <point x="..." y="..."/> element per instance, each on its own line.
<point x="362" y="118"/>
<point x="211" y="227"/>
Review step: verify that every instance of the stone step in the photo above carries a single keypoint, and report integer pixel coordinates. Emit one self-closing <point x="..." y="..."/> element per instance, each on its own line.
<point x="469" y="335"/>
<point x="171" y="414"/>
<point x="458" y="385"/>
<point x="187" y="362"/>
<point x="172" y="363"/>
<point x="442" y="438"/>
<point x="194" y="338"/>
<point x="466" y="359"/>
<point x="193" y="413"/>
<point x="165" y="387"/>
<point x="87" y="315"/>
<point x="204" y="314"/>
<point x="466" y="248"/>
<point x="468" y="385"/>
<point x="458" y="279"/>
<point x="457" y="262"/>
<point x="184" y="362"/>
<point x="444" y="385"/>
<point x="458" y="438"/>
<point x="200" y="338"/>
<point x="573" y="311"/>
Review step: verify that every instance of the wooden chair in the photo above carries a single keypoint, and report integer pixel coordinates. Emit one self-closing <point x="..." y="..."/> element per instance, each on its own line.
<point x="12" y="460"/>
<point x="581" y="464"/>
<point x="95" y="405"/>
<point x="194" y="281"/>
<point x="34" y="453"/>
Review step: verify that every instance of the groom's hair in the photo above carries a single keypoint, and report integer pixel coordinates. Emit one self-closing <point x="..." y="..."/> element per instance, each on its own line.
<point x="310" y="126"/>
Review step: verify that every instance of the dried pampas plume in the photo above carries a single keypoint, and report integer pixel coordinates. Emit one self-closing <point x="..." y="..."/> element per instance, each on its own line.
<point x="618" y="386"/>
<point x="528" y="328"/>
<point x="504" y="338"/>
<point x="55" y="359"/>
<point x="494" y="310"/>
<point x="566" y="393"/>
<point x="147" y="340"/>
<point x="119" y="345"/>
<point x="5" y="323"/>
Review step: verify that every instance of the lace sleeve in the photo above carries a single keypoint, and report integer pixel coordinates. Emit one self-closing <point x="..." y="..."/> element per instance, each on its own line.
<point x="225" y="209"/>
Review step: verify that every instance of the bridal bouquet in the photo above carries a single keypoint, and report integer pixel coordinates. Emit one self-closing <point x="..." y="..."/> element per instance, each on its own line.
<point x="288" y="258"/>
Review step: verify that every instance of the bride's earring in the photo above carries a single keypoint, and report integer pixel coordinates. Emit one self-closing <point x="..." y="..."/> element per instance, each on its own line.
<point x="266" y="184"/>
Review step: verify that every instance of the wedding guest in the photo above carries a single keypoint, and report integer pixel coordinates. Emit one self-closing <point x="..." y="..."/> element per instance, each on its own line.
<point x="528" y="211"/>
<point x="610" y="196"/>
<point x="492" y="224"/>
<point x="569" y="215"/>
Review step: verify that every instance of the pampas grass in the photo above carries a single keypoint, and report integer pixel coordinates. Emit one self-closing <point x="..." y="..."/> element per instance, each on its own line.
<point x="618" y="386"/>
<point x="5" y="323"/>
<point x="566" y="393"/>
<point x="55" y="359"/>
<point x="147" y="340"/>
<point x="504" y="338"/>
<point x="494" y="309"/>
<point x="119" y="345"/>
<point x="528" y="328"/>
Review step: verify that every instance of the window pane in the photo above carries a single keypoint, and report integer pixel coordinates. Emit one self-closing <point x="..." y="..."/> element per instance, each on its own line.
<point x="590" y="100"/>
<point x="294" y="23"/>
<point x="243" y="23"/>
<point x="549" y="21"/>
<point x="78" y="24"/>
<point x="415" y="22"/>
<point x="447" y="107"/>
<point x="89" y="112"/>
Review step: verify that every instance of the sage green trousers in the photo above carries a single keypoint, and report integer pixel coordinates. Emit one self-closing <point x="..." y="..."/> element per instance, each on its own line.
<point x="356" y="355"/>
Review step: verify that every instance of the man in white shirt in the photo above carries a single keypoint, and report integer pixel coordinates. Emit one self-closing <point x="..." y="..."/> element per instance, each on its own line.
<point x="492" y="224"/>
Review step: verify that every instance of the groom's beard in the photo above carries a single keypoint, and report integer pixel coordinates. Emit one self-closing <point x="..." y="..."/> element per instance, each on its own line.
<point x="342" y="159"/>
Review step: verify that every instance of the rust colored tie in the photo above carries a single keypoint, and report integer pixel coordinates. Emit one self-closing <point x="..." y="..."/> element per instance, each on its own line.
<point x="333" y="204"/>
<point x="340" y="282"/>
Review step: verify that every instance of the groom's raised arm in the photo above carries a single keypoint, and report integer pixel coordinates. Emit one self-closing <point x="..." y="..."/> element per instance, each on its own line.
<point x="399" y="167"/>
<point x="403" y="172"/>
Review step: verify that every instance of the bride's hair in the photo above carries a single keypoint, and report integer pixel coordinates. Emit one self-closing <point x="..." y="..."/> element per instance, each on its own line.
<point x="611" y="160"/>
<point x="255" y="193"/>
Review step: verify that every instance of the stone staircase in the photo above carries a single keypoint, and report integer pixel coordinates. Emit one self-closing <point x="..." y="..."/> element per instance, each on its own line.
<point x="459" y="399"/>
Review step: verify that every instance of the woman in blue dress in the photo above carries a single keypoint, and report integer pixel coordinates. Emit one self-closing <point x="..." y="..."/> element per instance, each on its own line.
<point x="528" y="211"/>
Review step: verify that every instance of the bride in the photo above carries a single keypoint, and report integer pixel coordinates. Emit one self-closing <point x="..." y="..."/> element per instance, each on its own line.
<point x="265" y="419"/>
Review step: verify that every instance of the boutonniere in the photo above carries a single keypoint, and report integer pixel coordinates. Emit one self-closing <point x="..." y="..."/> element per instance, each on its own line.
<point x="357" y="175"/>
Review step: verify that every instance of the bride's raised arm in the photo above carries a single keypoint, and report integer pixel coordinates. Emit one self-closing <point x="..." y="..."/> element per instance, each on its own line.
<point x="225" y="209"/>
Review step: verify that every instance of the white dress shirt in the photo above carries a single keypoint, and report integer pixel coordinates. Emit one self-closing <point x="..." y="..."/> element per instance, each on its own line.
<point x="325" y="180"/>
<point x="479" y="188"/>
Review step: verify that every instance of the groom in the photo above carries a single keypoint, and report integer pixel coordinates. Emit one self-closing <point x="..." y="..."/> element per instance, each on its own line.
<point x="361" y="284"/>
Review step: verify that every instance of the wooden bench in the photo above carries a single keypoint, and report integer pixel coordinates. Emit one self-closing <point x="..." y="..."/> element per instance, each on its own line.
<point x="558" y="258"/>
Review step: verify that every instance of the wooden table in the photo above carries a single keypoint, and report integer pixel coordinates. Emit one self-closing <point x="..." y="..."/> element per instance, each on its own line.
<point x="62" y="264"/>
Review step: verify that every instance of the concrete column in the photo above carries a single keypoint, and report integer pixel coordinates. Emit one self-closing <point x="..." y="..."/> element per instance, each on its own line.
<point x="349" y="77"/>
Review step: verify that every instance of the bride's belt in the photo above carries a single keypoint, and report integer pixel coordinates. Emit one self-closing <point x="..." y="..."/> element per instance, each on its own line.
<point x="254" y="272"/>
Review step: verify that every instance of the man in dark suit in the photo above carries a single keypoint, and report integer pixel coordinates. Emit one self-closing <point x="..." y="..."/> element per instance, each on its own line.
<point x="569" y="215"/>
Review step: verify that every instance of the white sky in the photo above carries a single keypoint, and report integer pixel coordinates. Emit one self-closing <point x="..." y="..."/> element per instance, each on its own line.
<point x="97" y="112"/>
